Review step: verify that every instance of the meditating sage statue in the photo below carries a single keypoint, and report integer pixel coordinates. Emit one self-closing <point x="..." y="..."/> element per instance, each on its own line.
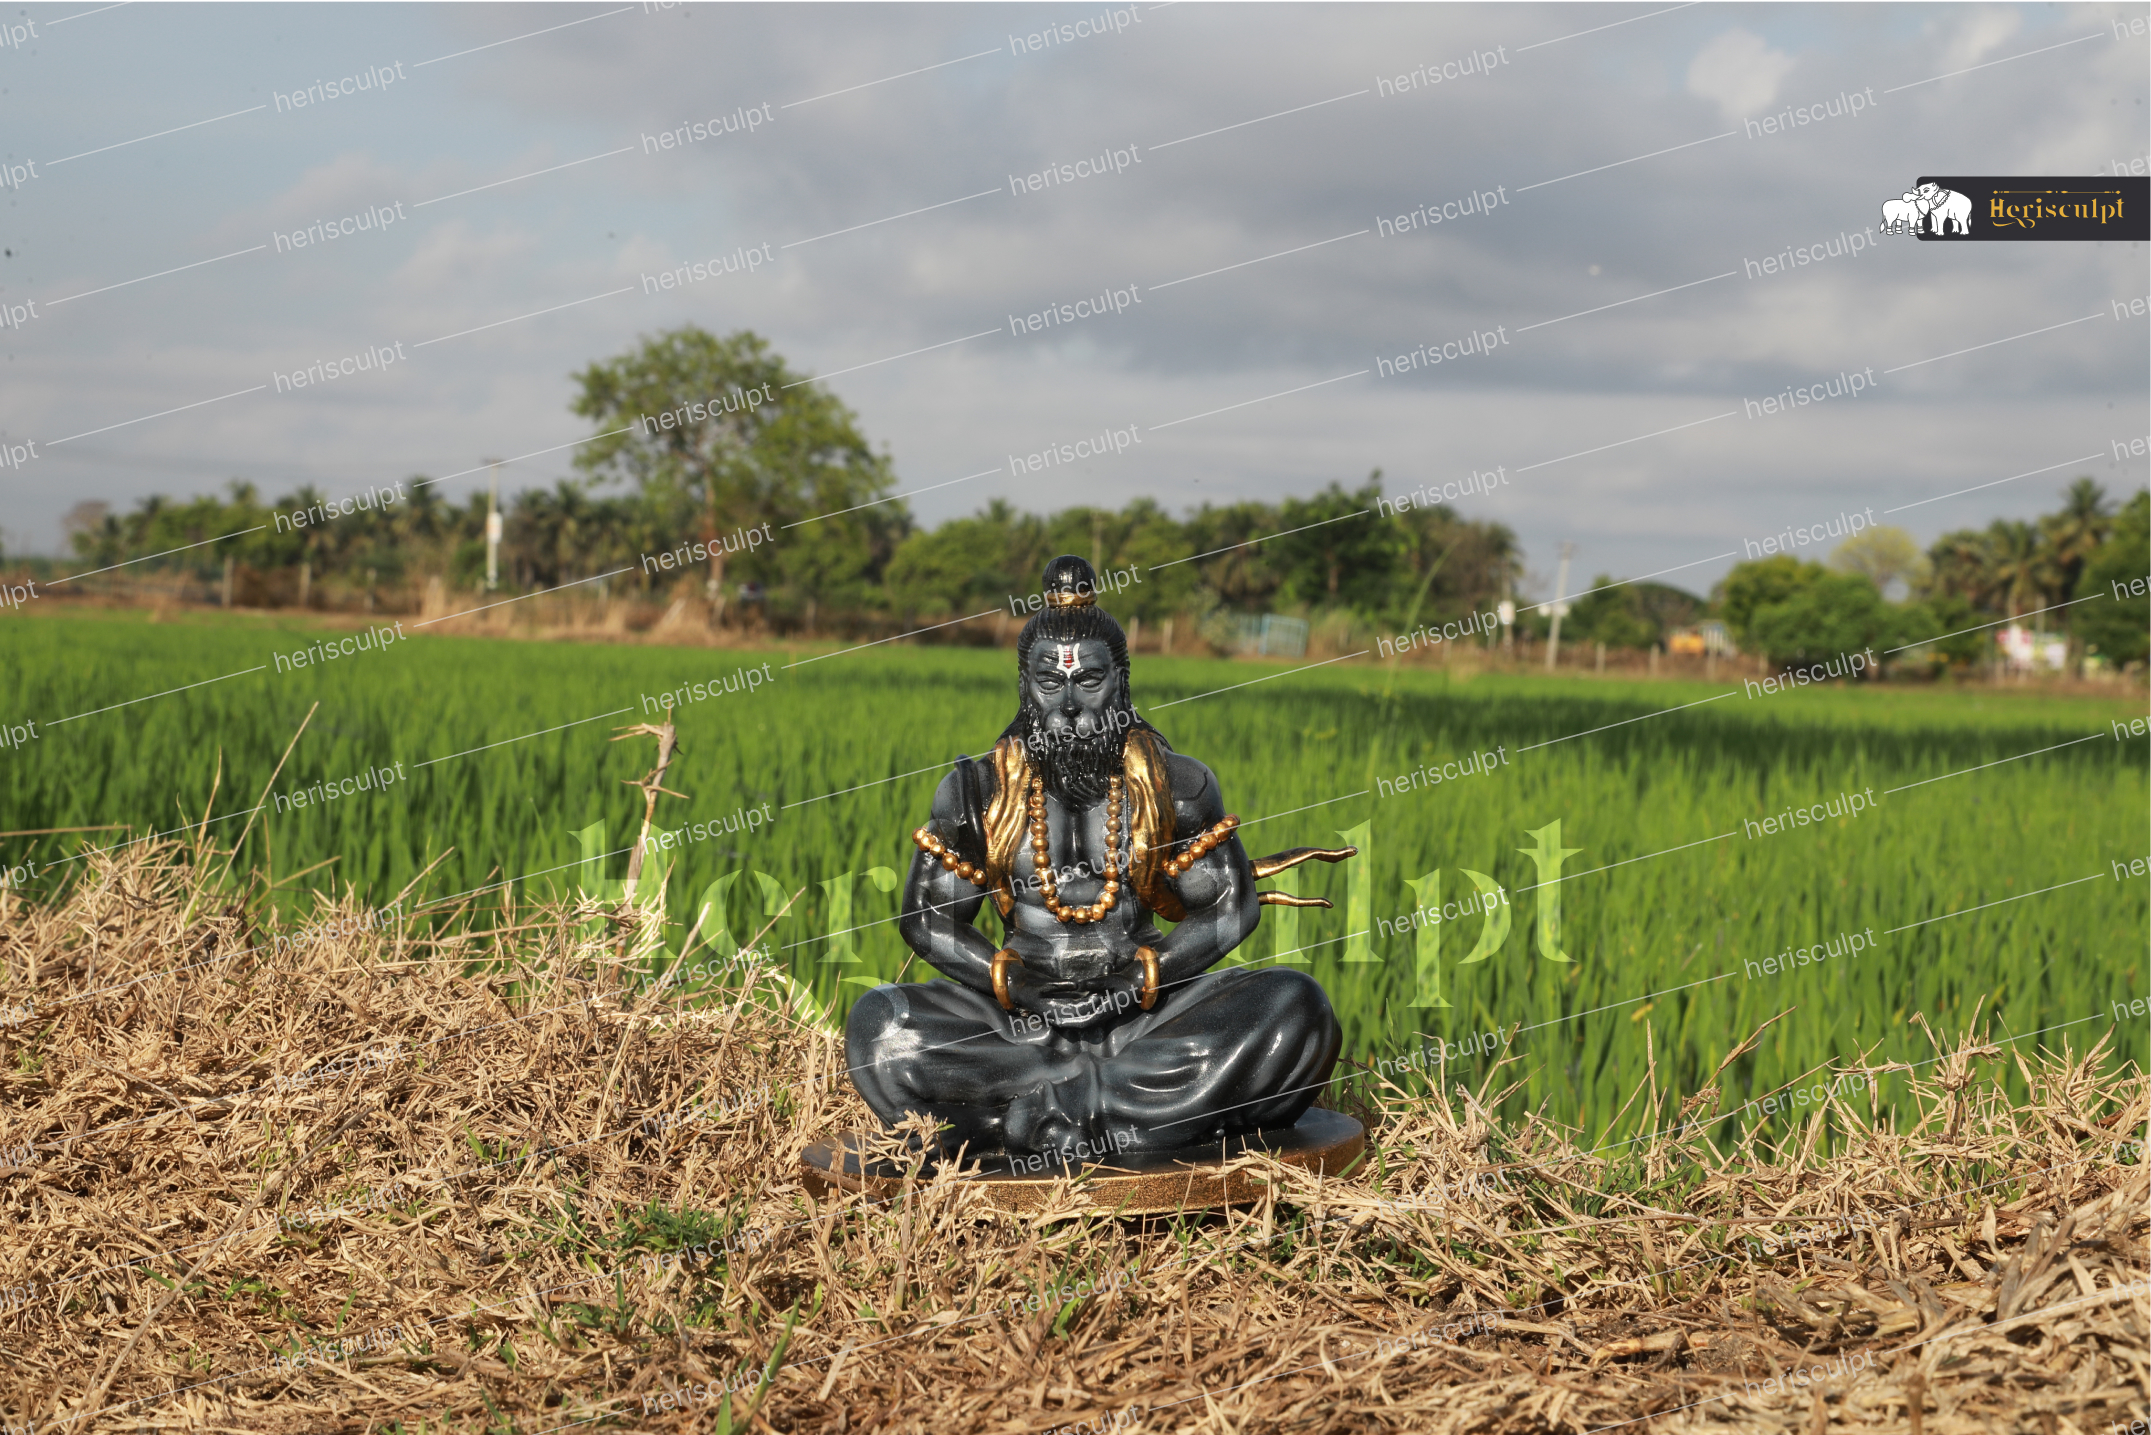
<point x="1084" y="1029"/>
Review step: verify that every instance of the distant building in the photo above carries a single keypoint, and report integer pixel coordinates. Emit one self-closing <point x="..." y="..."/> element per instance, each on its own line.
<point x="1709" y="636"/>
<point x="2024" y="650"/>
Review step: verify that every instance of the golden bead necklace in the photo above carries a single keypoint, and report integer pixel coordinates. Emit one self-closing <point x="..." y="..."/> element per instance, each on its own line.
<point x="1042" y="856"/>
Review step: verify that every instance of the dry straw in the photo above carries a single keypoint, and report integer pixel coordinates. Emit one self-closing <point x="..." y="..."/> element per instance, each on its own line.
<point x="474" y="1234"/>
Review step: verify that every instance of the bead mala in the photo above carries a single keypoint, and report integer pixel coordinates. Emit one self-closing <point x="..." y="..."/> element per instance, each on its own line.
<point x="1042" y="857"/>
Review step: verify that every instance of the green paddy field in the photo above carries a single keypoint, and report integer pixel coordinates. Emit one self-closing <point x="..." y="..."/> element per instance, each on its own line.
<point x="1990" y="871"/>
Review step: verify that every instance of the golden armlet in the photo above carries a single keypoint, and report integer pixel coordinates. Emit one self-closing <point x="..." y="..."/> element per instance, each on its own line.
<point x="1149" y="959"/>
<point x="1001" y="959"/>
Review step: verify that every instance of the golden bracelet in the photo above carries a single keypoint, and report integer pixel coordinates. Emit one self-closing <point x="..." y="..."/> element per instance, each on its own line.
<point x="1001" y="959"/>
<point x="1149" y="959"/>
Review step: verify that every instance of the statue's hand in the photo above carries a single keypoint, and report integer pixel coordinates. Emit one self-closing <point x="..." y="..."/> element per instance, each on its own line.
<point x="1115" y="996"/>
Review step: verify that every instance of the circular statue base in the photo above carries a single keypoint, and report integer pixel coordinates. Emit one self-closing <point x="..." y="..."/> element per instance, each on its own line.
<point x="1132" y="1184"/>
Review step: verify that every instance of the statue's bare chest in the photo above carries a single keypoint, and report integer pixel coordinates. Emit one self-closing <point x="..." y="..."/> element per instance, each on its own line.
<point x="1069" y="879"/>
<point x="1075" y="848"/>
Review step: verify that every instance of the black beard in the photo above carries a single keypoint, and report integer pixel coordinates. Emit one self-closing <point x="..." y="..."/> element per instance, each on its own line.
<point x="1077" y="769"/>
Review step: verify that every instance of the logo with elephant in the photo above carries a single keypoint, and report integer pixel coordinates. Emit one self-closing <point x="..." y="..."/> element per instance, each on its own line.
<point x="1928" y="209"/>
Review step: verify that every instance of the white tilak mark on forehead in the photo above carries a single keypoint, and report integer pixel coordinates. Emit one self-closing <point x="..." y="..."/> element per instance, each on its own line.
<point x="1067" y="653"/>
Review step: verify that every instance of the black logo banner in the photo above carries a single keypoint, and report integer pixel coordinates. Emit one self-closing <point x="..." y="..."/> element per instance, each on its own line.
<point x="2014" y="207"/>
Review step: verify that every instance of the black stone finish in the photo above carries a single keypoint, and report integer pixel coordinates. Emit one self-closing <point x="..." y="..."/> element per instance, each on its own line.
<point x="1078" y="1066"/>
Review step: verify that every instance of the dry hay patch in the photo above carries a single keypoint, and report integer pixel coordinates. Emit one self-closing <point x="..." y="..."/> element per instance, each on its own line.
<point x="380" y="1181"/>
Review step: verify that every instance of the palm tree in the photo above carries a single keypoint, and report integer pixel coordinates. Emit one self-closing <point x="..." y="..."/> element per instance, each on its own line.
<point x="2075" y="533"/>
<point x="546" y="534"/>
<point x="1961" y="565"/>
<point x="2020" y="567"/>
<point x="1235" y="566"/>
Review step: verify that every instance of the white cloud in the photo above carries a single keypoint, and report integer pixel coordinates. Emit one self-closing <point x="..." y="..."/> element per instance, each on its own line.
<point x="455" y="264"/>
<point x="1976" y="41"/>
<point x="1739" y="73"/>
<point x="352" y="181"/>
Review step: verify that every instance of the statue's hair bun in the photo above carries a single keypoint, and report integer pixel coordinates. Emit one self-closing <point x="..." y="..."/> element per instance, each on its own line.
<point x="1069" y="582"/>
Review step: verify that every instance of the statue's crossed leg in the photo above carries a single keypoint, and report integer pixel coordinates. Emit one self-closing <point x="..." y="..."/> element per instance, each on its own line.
<point x="1227" y="1052"/>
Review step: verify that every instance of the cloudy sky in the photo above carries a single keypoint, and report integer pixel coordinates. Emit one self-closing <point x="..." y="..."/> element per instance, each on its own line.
<point x="1634" y="194"/>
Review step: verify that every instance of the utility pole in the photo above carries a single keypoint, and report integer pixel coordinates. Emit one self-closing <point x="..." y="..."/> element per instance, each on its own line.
<point x="1559" y="606"/>
<point x="492" y="529"/>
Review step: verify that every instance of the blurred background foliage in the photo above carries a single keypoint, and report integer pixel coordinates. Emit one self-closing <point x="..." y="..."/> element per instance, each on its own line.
<point x="699" y="437"/>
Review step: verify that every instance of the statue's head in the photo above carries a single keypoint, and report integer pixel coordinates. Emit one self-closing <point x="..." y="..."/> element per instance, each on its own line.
<point x="1075" y="709"/>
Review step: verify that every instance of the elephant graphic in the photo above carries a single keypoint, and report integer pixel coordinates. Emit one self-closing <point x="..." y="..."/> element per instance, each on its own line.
<point x="1941" y="207"/>
<point x="1901" y="216"/>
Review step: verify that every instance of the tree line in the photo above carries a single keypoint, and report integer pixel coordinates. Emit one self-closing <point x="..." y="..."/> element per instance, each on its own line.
<point x="2077" y="572"/>
<point x="700" y="438"/>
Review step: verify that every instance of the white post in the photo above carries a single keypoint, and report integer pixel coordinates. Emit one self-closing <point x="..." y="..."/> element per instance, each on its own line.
<point x="492" y="530"/>
<point x="1560" y="606"/>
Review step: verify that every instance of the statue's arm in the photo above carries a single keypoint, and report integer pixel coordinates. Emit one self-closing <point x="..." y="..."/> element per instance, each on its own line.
<point x="939" y="905"/>
<point x="1218" y="891"/>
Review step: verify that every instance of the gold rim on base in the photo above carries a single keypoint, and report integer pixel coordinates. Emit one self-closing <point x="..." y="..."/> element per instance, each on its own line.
<point x="1324" y="1142"/>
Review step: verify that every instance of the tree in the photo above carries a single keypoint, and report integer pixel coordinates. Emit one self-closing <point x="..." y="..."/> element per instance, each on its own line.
<point x="565" y="536"/>
<point x="2020" y="570"/>
<point x="720" y="436"/>
<point x="2076" y="532"/>
<point x="1758" y="584"/>
<point x="186" y="532"/>
<point x="1449" y="566"/>
<point x="1337" y="551"/>
<point x="1960" y="565"/>
<point x="1242" y="572"/>
<point x="2013" y="567"/>
<point x="1950" y="629"/>
<point x="1884" y="554"/>
<point x="2118" y="628"/>
<point x="87" y="516"/>
<point x="1629" y="615"/>
<point x="970" y="564"/>
<point x="1144" y="537"/>
<point x="1830" y="615"/>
